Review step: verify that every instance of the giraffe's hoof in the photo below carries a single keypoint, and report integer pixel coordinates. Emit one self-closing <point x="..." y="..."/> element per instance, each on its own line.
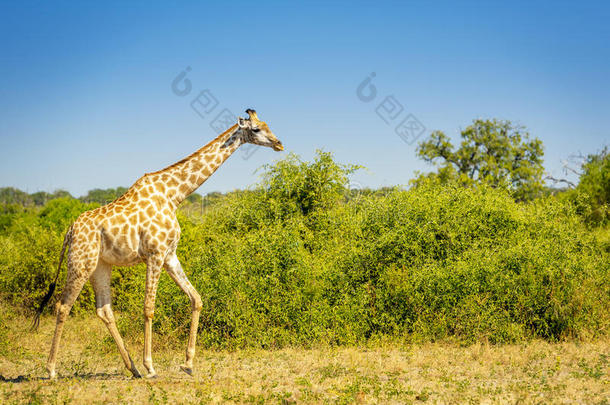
<point x="136" y="373"/>
<point x="152" y="375"/>
<point x="187" y="370"/>
<point x="52" y="374"/>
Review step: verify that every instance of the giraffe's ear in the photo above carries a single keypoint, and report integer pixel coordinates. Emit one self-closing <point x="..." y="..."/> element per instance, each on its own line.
<point x="242" y="122"/>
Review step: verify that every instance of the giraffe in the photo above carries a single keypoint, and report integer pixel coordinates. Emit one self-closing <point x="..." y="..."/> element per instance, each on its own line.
<point x="141" y="226"/>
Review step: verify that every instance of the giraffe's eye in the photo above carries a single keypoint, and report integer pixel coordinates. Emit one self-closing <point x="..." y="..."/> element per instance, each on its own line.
<point x="256" y="130"/>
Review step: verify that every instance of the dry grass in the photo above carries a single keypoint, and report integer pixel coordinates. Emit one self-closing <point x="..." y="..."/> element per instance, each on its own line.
<point x="91" y="372"/>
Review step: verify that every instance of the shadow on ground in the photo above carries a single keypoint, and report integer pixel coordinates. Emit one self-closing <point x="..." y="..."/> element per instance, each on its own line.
<point x="80" y="376"/>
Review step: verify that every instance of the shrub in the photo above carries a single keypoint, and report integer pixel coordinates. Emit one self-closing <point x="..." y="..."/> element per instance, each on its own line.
<point x="294" y="262"/>
<point x="592" y="195"/>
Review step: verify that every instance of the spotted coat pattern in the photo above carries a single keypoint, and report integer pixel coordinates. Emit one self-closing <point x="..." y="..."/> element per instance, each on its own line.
<point x="141" y="226"/>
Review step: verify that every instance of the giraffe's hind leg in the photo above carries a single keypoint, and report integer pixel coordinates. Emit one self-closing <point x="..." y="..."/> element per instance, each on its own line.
<point x="174" y="269"/>
<point x="100" y="280"/>
<point x="79" y="270"/>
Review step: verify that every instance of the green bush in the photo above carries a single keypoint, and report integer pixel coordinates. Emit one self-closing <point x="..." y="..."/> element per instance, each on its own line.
<point x="592" y="194"/>
<point x="301" y="261"/>
<point x="29" y="250"/>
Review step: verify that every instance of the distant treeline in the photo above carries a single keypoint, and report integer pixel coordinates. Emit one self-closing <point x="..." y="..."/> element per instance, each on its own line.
<point x="11" y="195"/>
<point x="493" y="152"/>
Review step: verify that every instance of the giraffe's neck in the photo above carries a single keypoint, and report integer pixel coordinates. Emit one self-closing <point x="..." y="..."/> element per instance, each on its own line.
<point x="188" y="174"/>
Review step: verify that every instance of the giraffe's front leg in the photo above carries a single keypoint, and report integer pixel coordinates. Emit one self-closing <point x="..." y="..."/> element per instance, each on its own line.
<point x="174" y="269"/>
<point x="153" y="272"/>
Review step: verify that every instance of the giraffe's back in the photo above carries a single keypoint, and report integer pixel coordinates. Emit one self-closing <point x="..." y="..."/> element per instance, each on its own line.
<point x="129" y="229"/>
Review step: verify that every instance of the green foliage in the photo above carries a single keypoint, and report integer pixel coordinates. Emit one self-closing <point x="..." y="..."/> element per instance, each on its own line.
<point x="61" y="212"/>
<point x="295" y="262"/>
<point x="493" y="152"/>
<point x="103" y="196"/>
<point x="29" y="247"/>
<point x="592" y="195"/>
<point x="304" y="187"/>
<point x="197" y="204"/>
<point x="10" y="195"/>
<point x="9" y="213"/>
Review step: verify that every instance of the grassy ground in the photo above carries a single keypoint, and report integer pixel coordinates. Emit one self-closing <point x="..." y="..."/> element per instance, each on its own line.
<point x="91" y="371"/>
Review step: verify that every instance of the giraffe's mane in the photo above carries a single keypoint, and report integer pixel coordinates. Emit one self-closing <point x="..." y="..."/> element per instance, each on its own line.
<point x="132" y="189"/>
<point x="189" y="157"/>
<point x="135" y="185"/>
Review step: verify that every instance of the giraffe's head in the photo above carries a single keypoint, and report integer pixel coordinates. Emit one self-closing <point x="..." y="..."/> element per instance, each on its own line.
<point x="257" y="132"/>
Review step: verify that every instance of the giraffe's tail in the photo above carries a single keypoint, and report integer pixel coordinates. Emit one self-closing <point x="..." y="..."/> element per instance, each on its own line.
<point x="47" y="297"/>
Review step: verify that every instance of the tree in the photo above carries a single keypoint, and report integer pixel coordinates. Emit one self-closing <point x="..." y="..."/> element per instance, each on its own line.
<point x="42" y="197"/>
<point x="103" y="196"/>
<point x="495" y="152"/>
<point x="592" y="194"/>
<point x="11" y="195"/>
<point x="307" y="186"/>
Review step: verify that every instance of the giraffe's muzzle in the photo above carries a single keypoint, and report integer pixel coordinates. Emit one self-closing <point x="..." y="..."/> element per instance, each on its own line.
<point x="277" y="146"/>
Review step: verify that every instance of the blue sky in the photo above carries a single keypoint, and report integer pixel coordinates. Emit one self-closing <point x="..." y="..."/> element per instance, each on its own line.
<point x="86" y="96"/>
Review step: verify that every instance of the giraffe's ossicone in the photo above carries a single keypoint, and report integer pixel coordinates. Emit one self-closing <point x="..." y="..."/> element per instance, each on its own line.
<point x="141" y="226"/>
